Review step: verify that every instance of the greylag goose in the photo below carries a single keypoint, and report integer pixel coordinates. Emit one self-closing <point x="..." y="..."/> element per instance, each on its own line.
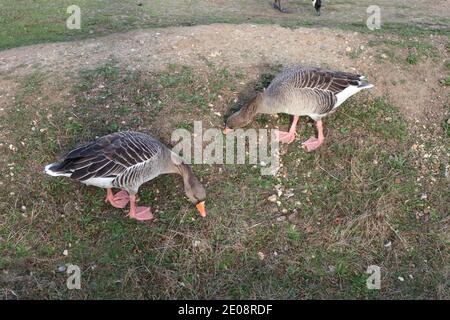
<point x="301" y="91"/>
<point x="126" y="160"/>
<point x="316" y="4"/>
<point x="277" y="5"/>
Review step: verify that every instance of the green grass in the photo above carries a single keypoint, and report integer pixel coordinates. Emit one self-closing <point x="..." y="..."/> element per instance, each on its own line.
<point x="446" y="82"/>
<point x="28" y="22"/>
<point x="412" y="58"/>
<point x="354" y="54"/>
<point x="349" y="198"/>
<point x="417" y="50"/>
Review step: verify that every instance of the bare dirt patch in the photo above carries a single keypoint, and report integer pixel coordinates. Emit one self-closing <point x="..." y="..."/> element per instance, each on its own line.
<point x="415" y="89"/>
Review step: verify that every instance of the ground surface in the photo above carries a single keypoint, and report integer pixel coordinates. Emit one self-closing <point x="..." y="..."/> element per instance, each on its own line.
<point x="26" y="22"/>
<point x="376" y="193"/>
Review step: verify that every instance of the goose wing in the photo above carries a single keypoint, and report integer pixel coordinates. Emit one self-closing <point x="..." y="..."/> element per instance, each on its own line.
<point x="109" y="156"/>
<point x="323" y="89"/>
<point x="317" y="79"/>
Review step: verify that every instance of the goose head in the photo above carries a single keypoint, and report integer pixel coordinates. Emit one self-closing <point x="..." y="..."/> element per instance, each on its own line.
<point x="193" y="189"/>
<point x="244" y="116"/>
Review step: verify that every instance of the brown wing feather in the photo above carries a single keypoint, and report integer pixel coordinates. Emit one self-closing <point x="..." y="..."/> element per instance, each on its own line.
<point x="109" y="156"/>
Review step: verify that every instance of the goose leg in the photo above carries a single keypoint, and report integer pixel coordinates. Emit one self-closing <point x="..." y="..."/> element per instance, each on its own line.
<point x="118" y="200"/>
<point x="313" y="143"/>
<point x="288" y="137"/>
<point x="139" y="213"/>
<point x="277" y="5"/>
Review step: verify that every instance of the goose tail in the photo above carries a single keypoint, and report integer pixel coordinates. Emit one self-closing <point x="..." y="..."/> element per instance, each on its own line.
<point x="52" y="170"/>
<point x="363" y="84"/>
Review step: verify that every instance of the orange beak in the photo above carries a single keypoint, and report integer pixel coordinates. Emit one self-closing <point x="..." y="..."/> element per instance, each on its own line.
<point x="227" y="130"/>
<point x="201" y="208"/>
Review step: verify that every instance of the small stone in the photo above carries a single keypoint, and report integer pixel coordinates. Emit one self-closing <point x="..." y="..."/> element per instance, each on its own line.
<point x="348" y="49"/>
<point x="424" y="196"/>
<point x="65" y="252"/>
<point x="261" y="255"/>
<point x="387" y="244"/>
<point x="401" y="279"/>
<point x="23" y="208"/>
<point x="272" y="198"/>
<point x="281" y="218"/>
<point x="384" y="56"/>
<point x="62" y="268"/>
<point x="284" y="210"/>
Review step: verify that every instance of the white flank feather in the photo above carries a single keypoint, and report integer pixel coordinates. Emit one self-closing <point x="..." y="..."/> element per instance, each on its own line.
<point x="53" y="173"/>
<point x="349" y="91"/>
<point x="99" y="182"/>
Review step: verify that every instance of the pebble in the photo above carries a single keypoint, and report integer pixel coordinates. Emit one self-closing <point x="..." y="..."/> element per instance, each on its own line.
<point x="65" y="252"/>
<point x="401" y="279"/>
<point x="261" y="255"/>
<point x="62" y="268"/>
<point x="272" y="198"/>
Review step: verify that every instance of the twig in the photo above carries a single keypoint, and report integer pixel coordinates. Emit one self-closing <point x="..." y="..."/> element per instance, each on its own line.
<point x="329" y="173"/>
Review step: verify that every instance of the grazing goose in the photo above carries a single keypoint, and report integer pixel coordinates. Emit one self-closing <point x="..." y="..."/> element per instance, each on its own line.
<point x="126" y="160"/>
<point x="277" y="5"/>
<point x="301" y="91"/>
<point x="316" y="4"/>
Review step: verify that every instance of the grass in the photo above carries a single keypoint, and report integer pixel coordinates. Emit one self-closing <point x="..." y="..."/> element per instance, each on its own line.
<point x="341" y="204"/>
<point x="28" y="22"/>
<point x="417" y="50"/>
<point x="446" y="82"/>
<point x="355" y="54"/>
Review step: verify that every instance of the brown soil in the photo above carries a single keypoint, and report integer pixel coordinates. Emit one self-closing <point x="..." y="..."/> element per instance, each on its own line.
<point x="415" y="89"/>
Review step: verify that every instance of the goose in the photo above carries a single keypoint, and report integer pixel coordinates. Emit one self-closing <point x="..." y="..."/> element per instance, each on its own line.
<point x="277" y="5"/>
<point x="126" y="160"/>
<point x="317" y="4"/>
<point x="301" y="91"/>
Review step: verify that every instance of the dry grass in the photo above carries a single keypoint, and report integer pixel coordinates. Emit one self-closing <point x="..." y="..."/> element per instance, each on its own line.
<point x="354" y="203"/>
